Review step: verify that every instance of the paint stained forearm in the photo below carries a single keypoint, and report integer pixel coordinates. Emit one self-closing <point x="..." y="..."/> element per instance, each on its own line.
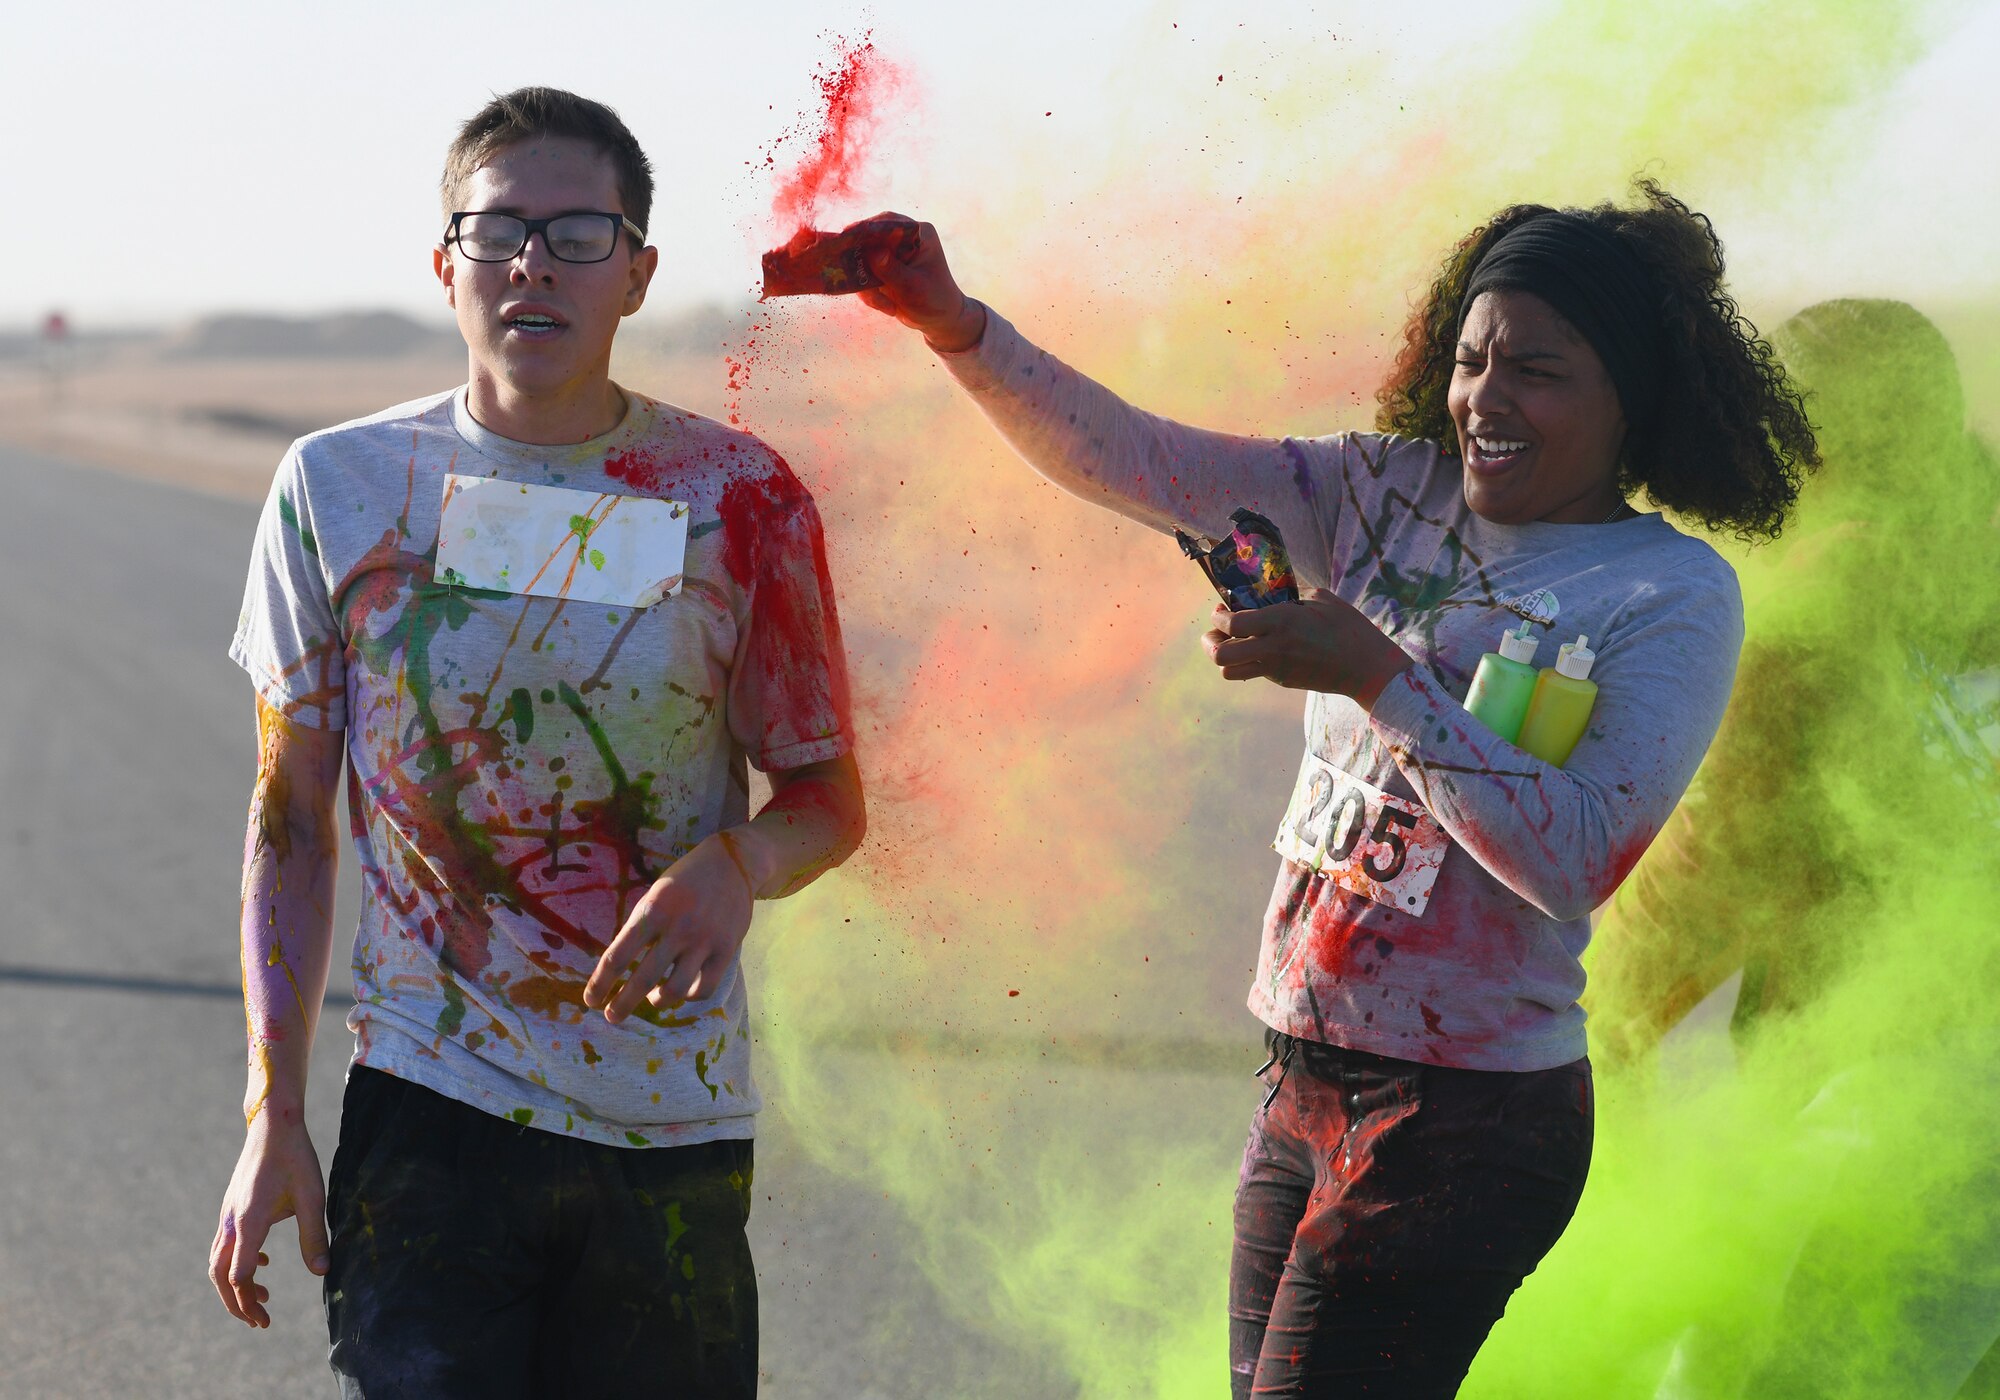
<point x="290" y="856"/>
<point x="815" y="819"/>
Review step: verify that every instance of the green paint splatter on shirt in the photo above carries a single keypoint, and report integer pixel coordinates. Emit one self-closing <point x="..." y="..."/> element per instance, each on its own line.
<point x="289" y="513"/>
<point x="520" y="712"/>
<point x="453" y="1015"/>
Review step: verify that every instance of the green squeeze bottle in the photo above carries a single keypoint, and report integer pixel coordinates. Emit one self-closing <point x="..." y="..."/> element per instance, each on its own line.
<point x="1561" y="706"/>
<point x="1504" y="683"/>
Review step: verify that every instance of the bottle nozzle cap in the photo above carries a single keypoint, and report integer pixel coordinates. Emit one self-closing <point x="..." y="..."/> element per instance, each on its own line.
<point x="1519" y="646"/>
<point x="1574" y="659"/>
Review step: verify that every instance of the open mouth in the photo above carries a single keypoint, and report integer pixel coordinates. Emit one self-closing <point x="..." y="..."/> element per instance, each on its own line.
<point x="1494" y="454"/>
<point x="533" y="323"/>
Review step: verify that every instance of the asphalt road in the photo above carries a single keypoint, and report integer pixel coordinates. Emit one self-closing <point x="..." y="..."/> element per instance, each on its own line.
<point x="126" y="755"/>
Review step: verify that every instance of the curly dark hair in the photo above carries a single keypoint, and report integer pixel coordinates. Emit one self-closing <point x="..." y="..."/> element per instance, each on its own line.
<point x="1729" y="446"/>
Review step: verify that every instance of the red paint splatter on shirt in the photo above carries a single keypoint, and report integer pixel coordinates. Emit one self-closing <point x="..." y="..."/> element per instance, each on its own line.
<point x="636" y="469"/>
<point x="1335" y="939"/>
<point x="1627" y="856"/>
<point x="769" y="528"/>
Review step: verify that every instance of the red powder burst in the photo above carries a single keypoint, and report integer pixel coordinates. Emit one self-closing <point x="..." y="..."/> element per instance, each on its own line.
<point x="854" y="91"/>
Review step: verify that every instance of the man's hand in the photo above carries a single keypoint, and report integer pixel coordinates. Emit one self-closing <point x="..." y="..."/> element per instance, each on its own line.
<point x="276" y="1176"/>
<point x="1319" y="643"/>
<point x="919" y="290"/>
<point x="686" y="930"/>
<point x="681" y="937"/>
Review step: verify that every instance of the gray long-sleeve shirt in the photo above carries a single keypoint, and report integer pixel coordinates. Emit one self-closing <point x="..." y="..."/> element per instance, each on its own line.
<point x="1466" y="950"/>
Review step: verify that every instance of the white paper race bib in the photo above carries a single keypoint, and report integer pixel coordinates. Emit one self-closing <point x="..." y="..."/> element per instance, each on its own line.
<point x="1383" y="848"/>
<point x="554" y="542"/>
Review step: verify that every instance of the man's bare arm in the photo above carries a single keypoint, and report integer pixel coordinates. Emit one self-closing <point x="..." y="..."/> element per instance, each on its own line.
<point x="815" y="819"/>
<point x="290" y="855"/>
<point x="687" y="929"/>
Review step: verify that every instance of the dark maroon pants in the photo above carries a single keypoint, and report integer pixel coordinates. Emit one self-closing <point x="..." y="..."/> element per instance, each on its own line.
<point x="1386" y="1212"/>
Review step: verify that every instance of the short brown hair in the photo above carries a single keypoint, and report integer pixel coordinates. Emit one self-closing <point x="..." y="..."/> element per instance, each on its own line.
<point x="529" y="112"/>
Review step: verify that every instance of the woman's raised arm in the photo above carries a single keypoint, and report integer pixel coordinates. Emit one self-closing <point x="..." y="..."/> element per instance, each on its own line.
<point x="1089" y="441"/>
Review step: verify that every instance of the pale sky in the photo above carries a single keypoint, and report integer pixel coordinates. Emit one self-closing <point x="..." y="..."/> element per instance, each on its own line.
<point x="154" y="150"/>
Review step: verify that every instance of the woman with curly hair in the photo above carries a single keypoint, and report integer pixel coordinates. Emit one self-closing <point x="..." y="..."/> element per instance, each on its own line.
<point x="1426" y="1127"/>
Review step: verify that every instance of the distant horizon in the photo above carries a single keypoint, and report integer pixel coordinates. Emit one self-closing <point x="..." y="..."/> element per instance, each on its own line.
<point x="443" y="323"/>
<point x="1948" y="306"/>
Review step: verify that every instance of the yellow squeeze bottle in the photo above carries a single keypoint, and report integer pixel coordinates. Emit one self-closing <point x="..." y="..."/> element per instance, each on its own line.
<point x="1560" y="709"/>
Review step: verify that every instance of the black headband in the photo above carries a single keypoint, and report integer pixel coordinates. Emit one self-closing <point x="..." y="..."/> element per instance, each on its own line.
<point x="1596" y="283"/>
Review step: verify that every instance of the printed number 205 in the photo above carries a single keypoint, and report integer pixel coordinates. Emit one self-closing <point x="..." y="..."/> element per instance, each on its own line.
<point x="1339" y="812"/>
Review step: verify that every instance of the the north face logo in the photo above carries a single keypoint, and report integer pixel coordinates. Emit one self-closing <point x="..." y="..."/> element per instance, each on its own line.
<point x="1539" y="607"/>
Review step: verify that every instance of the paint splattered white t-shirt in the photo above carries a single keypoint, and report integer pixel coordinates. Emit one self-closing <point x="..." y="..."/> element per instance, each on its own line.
<point x="522" y="768"/>
<point x="1487" y="976"/>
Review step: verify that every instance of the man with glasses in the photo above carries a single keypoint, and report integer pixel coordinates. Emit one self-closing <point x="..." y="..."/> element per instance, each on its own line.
<point x="547" y="622"/>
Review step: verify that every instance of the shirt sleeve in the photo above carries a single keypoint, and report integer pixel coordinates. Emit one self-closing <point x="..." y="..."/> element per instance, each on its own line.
<point x="1564" y="838"/>
<point x="286" y="636"/>
<point x="1162" y="474"/>
<point x="788" y="695"/>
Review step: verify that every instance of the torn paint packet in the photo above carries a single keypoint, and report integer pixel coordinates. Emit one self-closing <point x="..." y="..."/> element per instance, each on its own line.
<point x="557" y="542"/>
<point x="1249" y="566"/>
<point x="834" y="264"/>
<point x="1369" y="842"/>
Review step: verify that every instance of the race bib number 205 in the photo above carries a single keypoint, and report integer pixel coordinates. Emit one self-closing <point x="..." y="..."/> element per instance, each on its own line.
<point x="1380" y="847"/>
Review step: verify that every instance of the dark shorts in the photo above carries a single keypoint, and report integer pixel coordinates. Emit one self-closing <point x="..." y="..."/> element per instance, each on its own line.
<point x="1385" y="1213"/>
<point x="476" y="1257"/>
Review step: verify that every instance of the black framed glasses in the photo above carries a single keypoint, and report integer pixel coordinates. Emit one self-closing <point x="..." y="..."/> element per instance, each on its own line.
<point x="580" y="236"/>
